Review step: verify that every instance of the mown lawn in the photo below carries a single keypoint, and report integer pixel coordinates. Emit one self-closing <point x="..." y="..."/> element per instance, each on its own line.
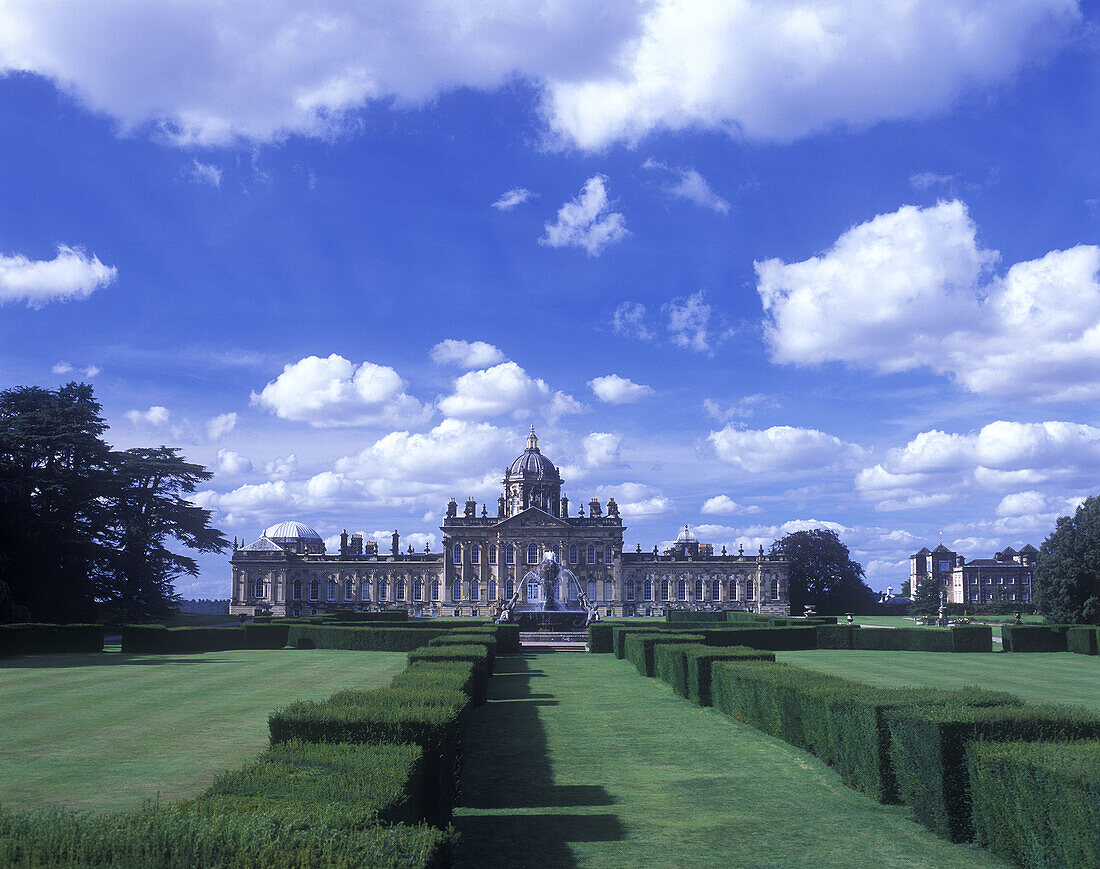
<point x="579" y="761"/>
<point x="110" y="731"/>
<point x="1058" y="677"/>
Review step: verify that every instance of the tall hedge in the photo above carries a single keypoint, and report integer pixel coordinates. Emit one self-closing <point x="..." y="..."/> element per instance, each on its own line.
<point x="1034" y="638"/>
<point x="619" y="633"/>
<point x="699" y="662"/>
<point x="774" y="639"/>
<point x="904" y="639"/>
<point x="639" y="647"/>
<point x="836" y="636"/>
<point x="157" y="639"/>
<point x="599" y="638"/>
<point x="694" y="616"/>
<point x="1037" y="803"/>
<point x="1083" y="640"/>
<point x="670" y="665"/>
<point x="45" y="639"/>
<point x="368" y="639"/>
<point x="927" y="748"/>
<point x="474" y="654"/>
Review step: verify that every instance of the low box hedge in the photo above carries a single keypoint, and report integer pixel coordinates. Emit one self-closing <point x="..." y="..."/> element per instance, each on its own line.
<point x="639" y="647"/>
<point x="773" y="639"/>
<point x="1034" y="638"/>
<point x="459" y="638"/>
<point x="599" y="638"/>
<point x="392" y="615"/>
<point x="364" y="639"/>
<point x="184" y="836"/>
<point x="699" y="661"/>
<point x="367" y="784"/>
<point x="1037" y="803"/>
<point x="619" y="633"/>
<point x="46" y="639"/>
<point x="694" y="616"/>
<point x="928" y="752"/>
<point x="1082" y="639"/>
<point x="432" y="719"/>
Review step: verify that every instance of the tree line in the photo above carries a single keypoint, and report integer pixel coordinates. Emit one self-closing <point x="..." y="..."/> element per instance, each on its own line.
<point x="87" y="531"/>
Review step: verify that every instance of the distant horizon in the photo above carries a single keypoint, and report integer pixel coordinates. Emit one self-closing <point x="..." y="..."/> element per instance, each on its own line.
<point x="754" y="269"/>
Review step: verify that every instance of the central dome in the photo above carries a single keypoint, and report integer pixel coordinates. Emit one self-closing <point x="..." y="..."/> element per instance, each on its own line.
<point x="532" y="464"/>
<point x="291" y="531"/>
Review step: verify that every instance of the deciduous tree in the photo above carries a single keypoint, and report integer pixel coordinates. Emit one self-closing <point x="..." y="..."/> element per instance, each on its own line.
<point x="822" y="573"/>
<point x="1067" y="577"/>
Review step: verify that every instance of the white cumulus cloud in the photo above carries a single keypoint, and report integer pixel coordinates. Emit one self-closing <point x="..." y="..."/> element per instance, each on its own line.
<point x="332" y="392"/>
<point x="914" y="289"/>
<point x="466" y="354"/>
<point x="72" y="274"/>
<point x="724" y="505"/>
<point x="221" y="425"/>
<point x="509" y="199"/>
<point x="629" y="319"/>
<point x="781" y="448"/>
<point x="232" y="462"/>
<point x="689" y="322"/>
<point x="504" y="388"/>
<point x="154" y="416"/>
<point x="613" y="389"/>
<point x="587" y="221"/>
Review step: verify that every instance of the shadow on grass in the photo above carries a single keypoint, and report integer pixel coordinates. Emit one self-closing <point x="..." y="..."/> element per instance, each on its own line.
<point x="508" y="783"/>
<point x="104" y="659"/>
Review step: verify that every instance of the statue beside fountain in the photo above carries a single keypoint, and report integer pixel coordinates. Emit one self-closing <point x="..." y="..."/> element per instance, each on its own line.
<point x="555" y="609"/>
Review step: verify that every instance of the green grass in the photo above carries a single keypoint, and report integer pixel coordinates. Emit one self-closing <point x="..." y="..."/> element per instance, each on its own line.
<point x="110" y="731"/>
<point x="578" y="761"/>
<point x="1058" y="677"/>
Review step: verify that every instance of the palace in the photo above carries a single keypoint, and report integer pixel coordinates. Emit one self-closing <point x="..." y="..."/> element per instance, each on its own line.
<point x="1004" y="577"/>
<point x="288" y="572"/>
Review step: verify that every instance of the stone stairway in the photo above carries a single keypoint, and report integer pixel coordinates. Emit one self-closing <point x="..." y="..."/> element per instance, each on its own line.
<point x="553" y="641"/>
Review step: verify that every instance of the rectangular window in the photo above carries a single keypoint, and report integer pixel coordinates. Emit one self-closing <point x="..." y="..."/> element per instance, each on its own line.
<point x="1025" y="579"/>
<point x="509" y="554"/>
<point x="591" y="554"/>
<point x="475" y="554"/>
<point x="399" y="590"/>
<point x="607" y="554"/>
<point x="492" y="554"/>
<point x="332" y="591"/>
<point x="366" y="589"/>
<point x="1025" y="596"/>
<point x="945" y="567"/>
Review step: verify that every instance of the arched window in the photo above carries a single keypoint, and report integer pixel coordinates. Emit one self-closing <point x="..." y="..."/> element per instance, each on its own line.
<point x="573" y="553"/>
<point x="509" y="588"/>
<point x="533" y="554"/>
<point x="314" y="590"/>
<point x="297" y="589"/>
<point x="475" y="590"/>
<point x="609" y="590"/>
<point x="492" y="554"/>
<point x="608" y="553"/>
<point x="383" y="589"/>
<point x="349" y="590"/>
<point x="698" y="589"/>
<point x="435" y="589"/>
<point x="715" y="589"/>
<point x="647" y="589"/>
<point x="332" y="589"/>
<point x="365" y="586"/>
<point x="775" y="589"/>
<point x="591" y="590"/>
<point x="492" y="590"/>
<point x="418" y="589"/>
<point x="475" y="554"/>
<point x="399" y="589"/>
<point x="591" y="553"/>
<point x="733" y="589"/>
<point x="630" y="589"/>
<point x="456" y="590"/>
<point x="681" y="590"/>
<point x="509" y="554"/>
<point x="456" y="553"/>
<point x="750" y="590"/>
<point x="664" y="589"/>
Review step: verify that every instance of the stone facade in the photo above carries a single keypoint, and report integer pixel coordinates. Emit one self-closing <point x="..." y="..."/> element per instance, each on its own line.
<point x="1007" y="576"/>
<point x="485" y="559"/>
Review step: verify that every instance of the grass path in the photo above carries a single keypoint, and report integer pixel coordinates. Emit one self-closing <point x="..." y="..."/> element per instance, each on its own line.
<point x="579" y="761"/>
<point x="110" y="731"/>
<point x="1049" y="677"/>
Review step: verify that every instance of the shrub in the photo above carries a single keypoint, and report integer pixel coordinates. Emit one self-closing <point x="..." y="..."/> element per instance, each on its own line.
<point x="507" y="639"/>
<point x="1082" y="640"/>
<point x="1034" y="638"/>
<point x="773" y="639"/>
<point x="432" y="719"/>
<point x="394" y="615"/>
<point x="183" y="836"/>
<point x="599" y="638"/>
<point x="435" y="676"/>
<point x="740" y="616"/>
<point x="927" y="748"/>
<point x="904" y="639"/>
<point x="265" y="636"/>
<point x="475" y="654"/>
<point x="1037" y="803"/>
<point x="699" y="660"/>
<point x="368" y="784"/>
<point x="836" y="636"/>
<point x="43" y="639"/>
<point x="670" y="665"/>
<point x="639" y="647"/>
<point x="368" y="639"/>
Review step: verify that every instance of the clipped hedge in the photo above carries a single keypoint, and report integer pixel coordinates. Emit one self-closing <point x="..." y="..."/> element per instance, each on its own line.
<point x="434" y="720"/>
<point x="904" y="639"/>
<point x="265" y="636"/>
<point x="159" y="640"/>
<point x="699" y="662"/>
<point x="184" y="836"/>
<point x="1034" y="638"/>
<point x="774" y="639"/>
<point x="1037" y="803"/>
<point x="392" y="615"/>
<point x="639" y="648"/>
<point x="694" y="616"/>
<point x="45" y="639"/>
<point x="362" y="784"/>
<point x="365" y="639"/>
<point x="459" y="638"/>
<point x="836" y="636"/>
<point x="439" y="676"/>
<point x="475" y="654"/>
<point x="507" y="639"/>
<point x="1083" y="640"/>
<point x="928" y="751"/>
<point x="599" y="638"/>
<point x="619" y="633"/>
<point x="972" y="638"/>
<point x="670" y="665"/>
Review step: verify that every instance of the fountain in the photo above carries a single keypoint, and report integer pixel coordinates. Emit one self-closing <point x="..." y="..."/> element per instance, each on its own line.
<point x="556" y="600"/>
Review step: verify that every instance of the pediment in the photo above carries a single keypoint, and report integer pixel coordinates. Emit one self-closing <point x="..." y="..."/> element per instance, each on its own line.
<point x="532" y="517"/>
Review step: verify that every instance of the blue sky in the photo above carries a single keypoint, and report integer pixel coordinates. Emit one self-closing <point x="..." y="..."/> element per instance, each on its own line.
<point x="752" y="267"/>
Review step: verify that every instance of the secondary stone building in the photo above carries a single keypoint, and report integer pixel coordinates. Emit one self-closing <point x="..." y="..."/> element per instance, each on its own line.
<point x="486" y="559"/>
<point x="1007" y="576"/>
